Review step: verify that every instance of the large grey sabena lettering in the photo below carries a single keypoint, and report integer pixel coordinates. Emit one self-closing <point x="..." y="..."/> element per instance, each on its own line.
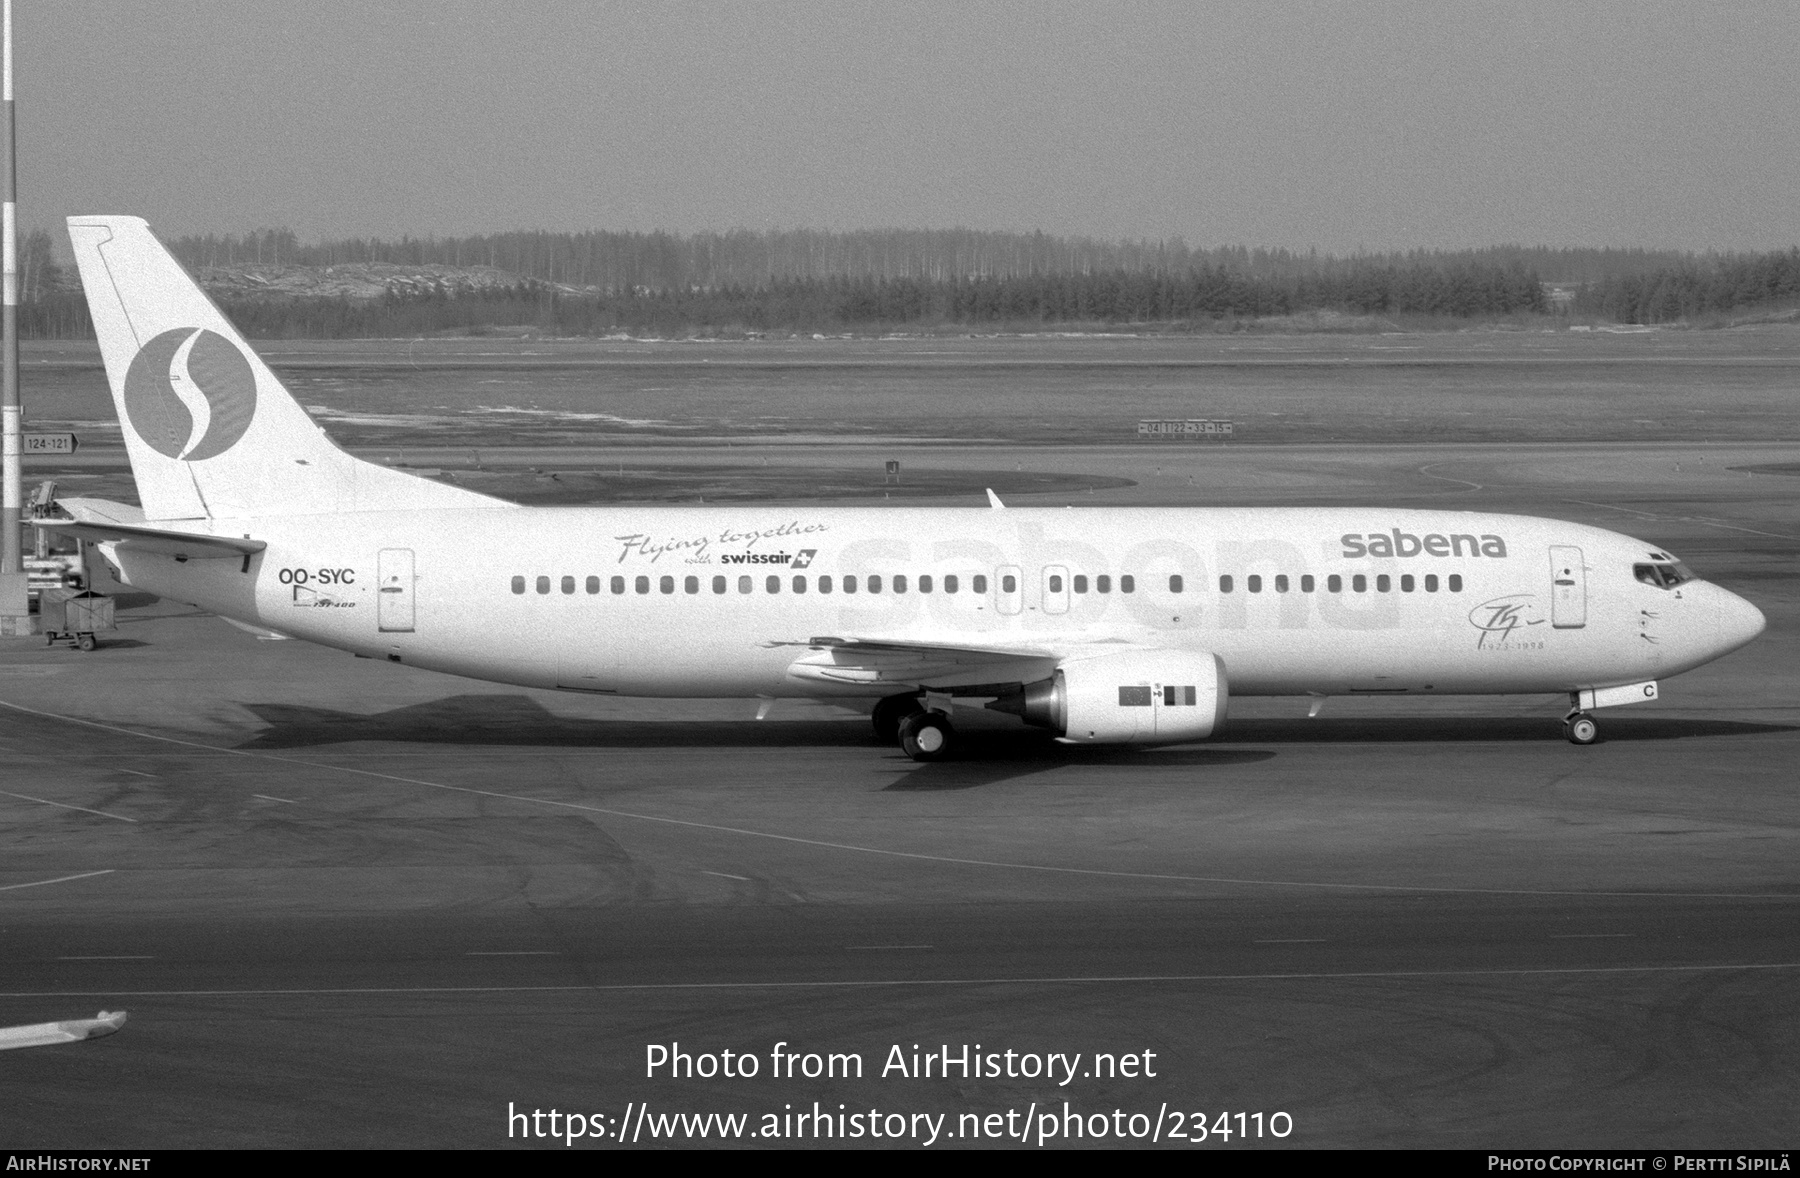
<point x="1398" y="543"/>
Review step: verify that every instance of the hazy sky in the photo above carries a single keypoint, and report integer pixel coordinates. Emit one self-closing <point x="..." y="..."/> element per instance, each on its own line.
<point x="1337" y="125"/>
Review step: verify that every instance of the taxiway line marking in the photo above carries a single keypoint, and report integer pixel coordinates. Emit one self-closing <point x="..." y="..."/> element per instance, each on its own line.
<point x="722" y="875"/>
<point x="875" y="983"/>
<point x="1694" y="519"/>
<point x="920" y="856"/>
<point x="1290" y="941"/>
<point x="890" y="946"/>
<point x="65" y="806"/>
<point x="511" y="953"/>
<point x="1587" y="936"/>
<point x="112" y="957"/>
<point x="1426" y="471"/>
<point x="1717" y="523"/>
<point x="1614" y="507"/>
<point x="38" y="883"/>
<point x="267" y="798"/>
<point x="137" y="773"/>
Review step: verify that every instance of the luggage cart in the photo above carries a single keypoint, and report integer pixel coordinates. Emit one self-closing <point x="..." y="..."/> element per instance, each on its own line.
<point x="75" y="616"/>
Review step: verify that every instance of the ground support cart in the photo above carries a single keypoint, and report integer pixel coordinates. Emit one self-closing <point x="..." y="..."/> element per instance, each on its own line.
<point x="74" y="616"/>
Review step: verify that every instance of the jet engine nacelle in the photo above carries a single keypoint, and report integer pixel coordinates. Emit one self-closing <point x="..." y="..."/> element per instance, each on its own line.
<point x="1132" y="697"/>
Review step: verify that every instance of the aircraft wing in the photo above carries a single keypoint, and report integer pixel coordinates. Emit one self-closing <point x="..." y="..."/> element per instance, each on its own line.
<point x="900" y="662"/>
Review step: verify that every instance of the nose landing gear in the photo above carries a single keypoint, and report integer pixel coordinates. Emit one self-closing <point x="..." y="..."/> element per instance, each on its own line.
<point x="1580" y="728"/>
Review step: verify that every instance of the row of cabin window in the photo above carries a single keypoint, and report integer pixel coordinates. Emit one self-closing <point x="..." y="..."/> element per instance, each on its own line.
<point x="899" y="583"/>
<point x="1359" y="583"/>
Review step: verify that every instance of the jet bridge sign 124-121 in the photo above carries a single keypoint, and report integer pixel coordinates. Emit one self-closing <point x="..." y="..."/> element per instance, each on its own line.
<point x="49" y="443"/>
<point x="1189" y="429"/>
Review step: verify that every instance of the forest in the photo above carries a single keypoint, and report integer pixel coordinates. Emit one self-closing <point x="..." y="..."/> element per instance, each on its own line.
<point x="746" y="283"/>
<point x="1107" y="299"/>
<point x="1691" y="290"/>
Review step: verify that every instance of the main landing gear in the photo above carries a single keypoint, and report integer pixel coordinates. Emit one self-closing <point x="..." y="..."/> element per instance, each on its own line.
<point x="1578" y="726"/>
<point x="921" y="734"/>
<point x="927" y="736"/>
<point x="892" y="712"/>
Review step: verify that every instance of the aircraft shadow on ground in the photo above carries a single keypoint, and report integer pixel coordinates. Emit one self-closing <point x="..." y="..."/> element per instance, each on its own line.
<point x="990" y="758"/>
<point x="520" y="720"/>
<point x="1451" y="729"/>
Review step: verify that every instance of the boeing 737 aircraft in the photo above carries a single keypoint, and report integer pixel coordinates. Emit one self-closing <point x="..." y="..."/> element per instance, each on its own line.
<point x="1123" y="625"/>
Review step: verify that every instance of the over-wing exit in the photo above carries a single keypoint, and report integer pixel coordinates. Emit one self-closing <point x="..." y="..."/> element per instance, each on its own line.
<point x="1102" y="625"/>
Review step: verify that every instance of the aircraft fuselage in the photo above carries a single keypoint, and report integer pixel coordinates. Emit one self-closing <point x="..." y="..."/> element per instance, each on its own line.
<point x="703" y="601"/>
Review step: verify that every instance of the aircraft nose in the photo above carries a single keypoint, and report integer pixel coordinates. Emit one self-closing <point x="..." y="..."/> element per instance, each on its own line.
<point x="1738" y="621"/>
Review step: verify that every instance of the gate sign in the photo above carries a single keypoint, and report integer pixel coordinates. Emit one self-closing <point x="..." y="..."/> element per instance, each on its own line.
<point x="49" y="443"/>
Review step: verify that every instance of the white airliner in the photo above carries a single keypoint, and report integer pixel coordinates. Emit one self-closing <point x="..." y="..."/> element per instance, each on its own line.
<point x="1103" y="625"/>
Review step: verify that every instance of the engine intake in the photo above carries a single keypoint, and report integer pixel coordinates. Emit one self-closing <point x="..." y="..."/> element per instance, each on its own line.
<point x="1131" y="697"/>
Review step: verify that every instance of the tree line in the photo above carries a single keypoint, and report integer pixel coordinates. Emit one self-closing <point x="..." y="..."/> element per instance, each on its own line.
<point x="615" y="262"/>
<point x="621" y="261"/>
<point x="841" y="304"/>
<point x="806" y="281"/>
<point x="1694" y="289"/>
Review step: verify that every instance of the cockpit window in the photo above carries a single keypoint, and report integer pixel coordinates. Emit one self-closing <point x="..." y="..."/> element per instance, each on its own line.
<point x="1663" y="576"/>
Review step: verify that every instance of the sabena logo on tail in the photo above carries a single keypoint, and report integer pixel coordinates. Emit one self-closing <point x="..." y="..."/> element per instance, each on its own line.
<point x="190" y="394"/>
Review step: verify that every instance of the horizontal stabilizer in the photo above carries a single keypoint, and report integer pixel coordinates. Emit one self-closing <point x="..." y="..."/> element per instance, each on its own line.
<point x="181" y="545"/>
<point x="102" y="510"/>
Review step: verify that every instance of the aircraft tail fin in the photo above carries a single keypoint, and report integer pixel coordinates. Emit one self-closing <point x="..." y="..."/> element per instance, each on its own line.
<point x="210" y="430"/>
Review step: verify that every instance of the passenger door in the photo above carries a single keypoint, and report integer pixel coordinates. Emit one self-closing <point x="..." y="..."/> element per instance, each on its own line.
<point x="1568" y="588"/>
